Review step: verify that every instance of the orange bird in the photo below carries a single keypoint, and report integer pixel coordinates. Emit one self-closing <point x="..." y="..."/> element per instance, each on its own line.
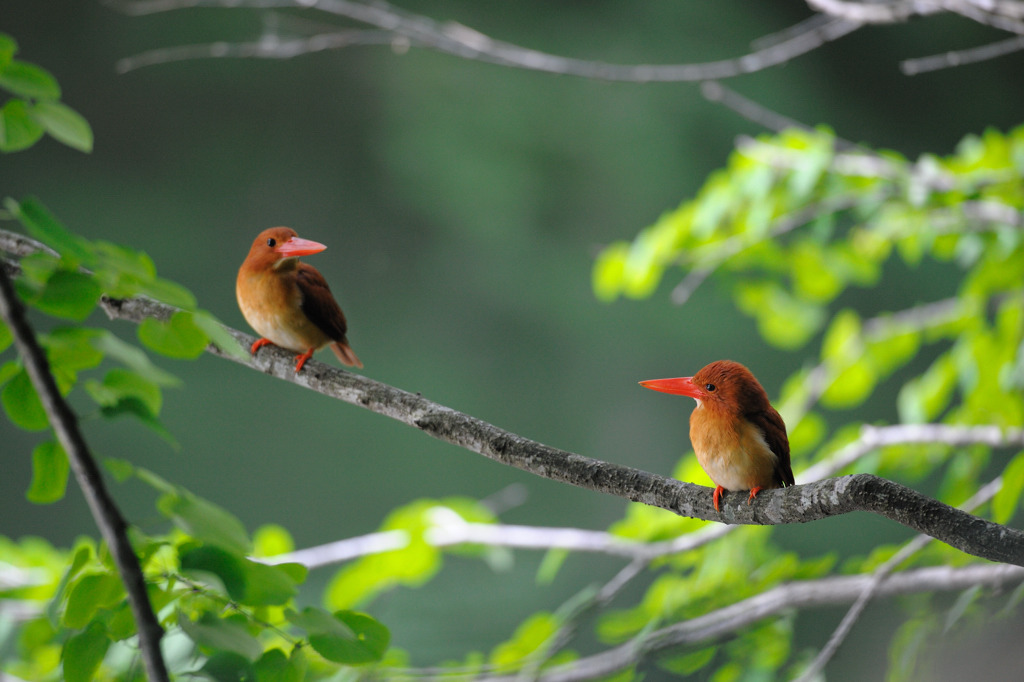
<point x="739" y="438"/>
<point x="288" y="302"/>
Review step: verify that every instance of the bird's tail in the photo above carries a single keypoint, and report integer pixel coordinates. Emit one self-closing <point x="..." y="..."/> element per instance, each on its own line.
<point x="346" y="354"/>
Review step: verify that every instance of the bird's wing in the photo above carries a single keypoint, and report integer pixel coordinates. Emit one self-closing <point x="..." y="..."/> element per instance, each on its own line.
<point x="774" y="430"/>
<point x="318" y="304"/>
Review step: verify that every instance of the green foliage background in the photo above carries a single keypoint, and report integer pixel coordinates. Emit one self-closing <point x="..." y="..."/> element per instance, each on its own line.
<point x="464" y="205"/>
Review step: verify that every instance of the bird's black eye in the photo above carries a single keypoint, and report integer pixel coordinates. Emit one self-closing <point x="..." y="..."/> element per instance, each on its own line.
<point x="710" y="388"/>
<point x="271" y="242"/>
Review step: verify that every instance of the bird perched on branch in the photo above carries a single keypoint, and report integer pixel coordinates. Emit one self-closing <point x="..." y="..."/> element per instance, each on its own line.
<point x="288" y="302"/>
<point x="738" y="437"/>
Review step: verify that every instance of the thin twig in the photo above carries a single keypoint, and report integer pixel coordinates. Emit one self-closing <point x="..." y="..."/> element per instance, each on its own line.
<point x="919" y="542"/>
<point x="467" y="43"/>
<point x="108" y="517"/>
<point x="714" y="626"/>
<point x="919" y="65"/>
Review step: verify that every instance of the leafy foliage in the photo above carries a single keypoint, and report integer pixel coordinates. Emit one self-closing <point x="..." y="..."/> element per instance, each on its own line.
<point x="792" y="224"/>
<point x="35" y="108"/>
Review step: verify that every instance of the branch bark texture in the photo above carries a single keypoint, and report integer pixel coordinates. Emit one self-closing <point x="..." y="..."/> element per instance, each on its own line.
<point x="797" y="504"/>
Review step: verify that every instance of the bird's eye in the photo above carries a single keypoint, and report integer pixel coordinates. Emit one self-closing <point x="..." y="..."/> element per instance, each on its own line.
<point x="710" y="388"/>
<point x="271" y="242"/>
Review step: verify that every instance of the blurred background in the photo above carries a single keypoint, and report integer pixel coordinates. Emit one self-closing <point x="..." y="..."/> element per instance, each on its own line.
<point x="462" y="205"/>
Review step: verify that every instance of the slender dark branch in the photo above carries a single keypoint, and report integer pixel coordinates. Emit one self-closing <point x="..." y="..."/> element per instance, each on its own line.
<point x="797" y="504"/>
<point x="108" y="517"/>
<point x="467" y="43"/>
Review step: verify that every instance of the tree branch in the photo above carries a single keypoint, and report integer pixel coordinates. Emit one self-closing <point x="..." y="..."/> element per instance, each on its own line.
<point x="796" y="504"/>
<point x="467" y="43"/>
<point x="718" y="624"/>
<point x="108" y="517"/>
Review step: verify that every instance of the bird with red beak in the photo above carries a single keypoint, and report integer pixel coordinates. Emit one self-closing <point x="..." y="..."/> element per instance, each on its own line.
<point x="287" y="301"/>
<point x="739" y="438"/>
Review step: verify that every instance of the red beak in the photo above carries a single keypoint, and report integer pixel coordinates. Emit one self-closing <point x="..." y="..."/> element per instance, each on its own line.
<point x="297" y="246"/>
<point x="678" y="386"/>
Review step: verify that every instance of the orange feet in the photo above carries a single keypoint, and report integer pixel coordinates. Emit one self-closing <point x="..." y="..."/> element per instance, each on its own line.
<point x="259" y="344"/>
<point x="716" y="497"/>
<point x="301" y="360"/>
<point x="753" y="494"/>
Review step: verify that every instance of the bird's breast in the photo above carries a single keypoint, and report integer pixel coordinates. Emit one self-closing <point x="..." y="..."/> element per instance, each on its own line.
<point x="271" y="303"/>
<point x="732" y="451"/>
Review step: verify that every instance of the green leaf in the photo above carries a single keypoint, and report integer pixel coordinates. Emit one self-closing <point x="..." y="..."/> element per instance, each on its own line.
<point x="6" y="337"/>
<point x="120" y="469"/>
<point x="609" y="271"/>
<point x="204" y="520"/>
<point x="88" y="595"/>
<point x="17" y="129"/>
<point x="344" y="637"/>
<point x="271" y="585"/>
<point x="221" y="635"/>
<point x="119" y="384"/>
<point x="42" y="225"/>
<point x="531" y="635"/>
<point x="851" y="386"/>
<point x="72" y="348"/>
<point x="219" y="336"/>
<point x="134" y="358"/>
<point x="8" y="48"/>
<point x="227" y="666"/>
<point x="28" y="80"/>
<point x="22" y="404"/>
<point x="49" y="473"/>
<point x="178" y="337"/>
<point x="64" y="124"/>
<point x="67" y="294"/>
<point x="687" y="664"/>
<point x="550" y="565"/>
<point x="84" y="652"/>
<point x="1006" y="502"/>
<point x="275" y="666"/>
<point x="169" y="292"/>
<point x="227" y="566"/>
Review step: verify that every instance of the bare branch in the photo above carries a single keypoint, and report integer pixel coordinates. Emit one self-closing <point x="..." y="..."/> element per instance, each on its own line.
<point x="798" y="504"/>
<point x="913" y="67"/>
<point x="718" y="624"/>
<point x="467" y="43"/>
<point x="104" y="510"/>
<point x="812" y="671"/>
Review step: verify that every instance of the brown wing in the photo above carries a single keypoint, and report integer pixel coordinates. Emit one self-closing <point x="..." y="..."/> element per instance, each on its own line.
<point x="318" y="304"/>
<point x="774" y="430"/>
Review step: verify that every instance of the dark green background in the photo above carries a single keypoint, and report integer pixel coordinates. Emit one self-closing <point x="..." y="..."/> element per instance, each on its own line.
<point x="462" y="205"/>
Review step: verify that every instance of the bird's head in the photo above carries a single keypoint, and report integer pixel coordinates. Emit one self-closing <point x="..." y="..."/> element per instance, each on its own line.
<point x="723" y="385"/>
<point x="278" y="248"/>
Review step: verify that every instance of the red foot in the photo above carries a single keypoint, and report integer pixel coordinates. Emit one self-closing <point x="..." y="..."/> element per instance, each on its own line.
<point x="753" y="494"/>
<point x="259" y="344"/>
<point x="716" y="497"/>
<point x="301" y="360"/>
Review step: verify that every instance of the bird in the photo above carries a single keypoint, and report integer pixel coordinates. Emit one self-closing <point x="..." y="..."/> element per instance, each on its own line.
<point x="287" y="301"/>
<point x="739" y="438"/>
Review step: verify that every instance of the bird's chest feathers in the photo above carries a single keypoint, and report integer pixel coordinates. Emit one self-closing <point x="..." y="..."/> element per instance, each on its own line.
<point x="272" y="305"/>
<point x="732" y="451"/>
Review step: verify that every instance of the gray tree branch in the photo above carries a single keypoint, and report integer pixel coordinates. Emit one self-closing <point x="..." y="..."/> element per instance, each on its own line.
<point x="467" y="43"/>
<point x="716" y="625"/>
<point x="797" y="504"/>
